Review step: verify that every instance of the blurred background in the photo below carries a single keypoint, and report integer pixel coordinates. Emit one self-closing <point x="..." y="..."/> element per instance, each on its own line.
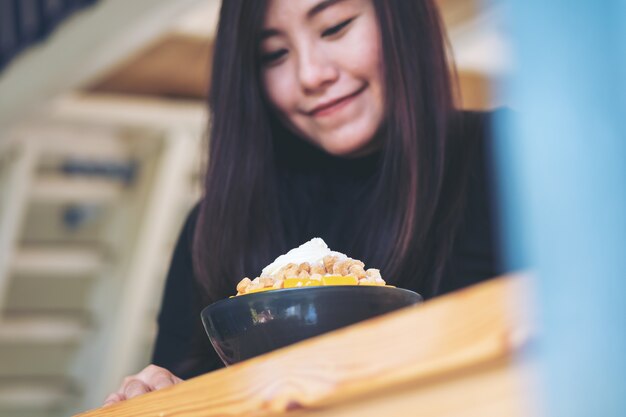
<point x="102" y="134"/>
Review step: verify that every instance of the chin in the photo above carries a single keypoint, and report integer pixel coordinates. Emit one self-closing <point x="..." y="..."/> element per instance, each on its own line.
<point x="350" y="140"/>
<point x="352" y="143"/>
<point x="347" y="141"/>
<point x="345" y="147"/>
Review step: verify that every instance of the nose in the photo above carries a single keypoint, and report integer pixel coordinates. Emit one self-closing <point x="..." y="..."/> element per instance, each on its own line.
<point x="316" y="70"/>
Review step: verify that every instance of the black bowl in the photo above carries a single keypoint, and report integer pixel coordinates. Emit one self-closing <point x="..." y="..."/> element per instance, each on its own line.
<point x="246" y="326"/>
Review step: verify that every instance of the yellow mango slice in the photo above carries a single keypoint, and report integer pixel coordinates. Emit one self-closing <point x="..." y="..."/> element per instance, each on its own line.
<point x="326" y="280"/>
<point x="340" y="280"/>
<point x="293" y="282"/>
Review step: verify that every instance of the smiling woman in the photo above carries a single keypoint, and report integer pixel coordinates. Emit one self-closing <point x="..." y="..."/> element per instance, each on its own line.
<point x="321" y="69"/>
<point x="330" y="118"/>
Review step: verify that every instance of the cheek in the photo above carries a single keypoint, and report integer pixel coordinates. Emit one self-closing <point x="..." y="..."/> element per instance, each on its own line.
<point x="370" y="62"/>
<point x="365" y="52"/>
<point x="279" y="88"/>
<point x="362" y="58"/>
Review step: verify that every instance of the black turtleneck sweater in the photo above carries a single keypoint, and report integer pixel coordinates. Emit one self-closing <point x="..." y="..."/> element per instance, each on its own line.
<point x="321" y="203"/>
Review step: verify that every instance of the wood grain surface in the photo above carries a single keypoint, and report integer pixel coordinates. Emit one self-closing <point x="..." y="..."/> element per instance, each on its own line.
<point x="450" y="356"/>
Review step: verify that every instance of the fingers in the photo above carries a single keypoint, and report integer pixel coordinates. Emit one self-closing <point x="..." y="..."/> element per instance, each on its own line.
<point x="113" y="399"/>
<point x="162" y="381"/>
<point x="152" y="378"/>
<point x="135" y="388"/>
<point x="156" y="377"/>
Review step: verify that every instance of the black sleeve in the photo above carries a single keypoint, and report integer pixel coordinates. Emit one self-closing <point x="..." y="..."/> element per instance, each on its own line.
<point x="181" y="345"/>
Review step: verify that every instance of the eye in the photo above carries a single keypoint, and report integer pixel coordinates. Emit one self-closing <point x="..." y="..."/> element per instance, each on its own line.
<point x="336" y="29"/>
<point x="272" y="57"/>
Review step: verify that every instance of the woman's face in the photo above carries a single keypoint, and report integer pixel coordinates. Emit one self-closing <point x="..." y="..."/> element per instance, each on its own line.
<point x="322" y="71"/>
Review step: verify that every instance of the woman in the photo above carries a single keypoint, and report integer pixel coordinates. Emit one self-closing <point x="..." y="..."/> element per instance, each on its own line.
<point x="336" y="119"/>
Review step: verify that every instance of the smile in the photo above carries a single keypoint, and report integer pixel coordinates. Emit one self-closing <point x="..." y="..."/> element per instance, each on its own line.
<point x="335" y="105"/>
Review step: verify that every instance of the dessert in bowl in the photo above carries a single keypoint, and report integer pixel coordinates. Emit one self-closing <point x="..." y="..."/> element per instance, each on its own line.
<point x="309" y="291"/>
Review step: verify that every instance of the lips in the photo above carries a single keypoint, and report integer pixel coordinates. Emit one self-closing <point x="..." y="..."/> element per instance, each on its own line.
<point x="331" y="105"/>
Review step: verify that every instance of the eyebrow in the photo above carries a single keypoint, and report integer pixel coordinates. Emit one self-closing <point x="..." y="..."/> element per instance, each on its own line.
<point x="319" y="7"/>
<point x="315" y="10"/>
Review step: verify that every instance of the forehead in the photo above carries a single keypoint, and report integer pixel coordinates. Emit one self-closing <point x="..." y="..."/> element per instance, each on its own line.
<point x="290" y="11"/>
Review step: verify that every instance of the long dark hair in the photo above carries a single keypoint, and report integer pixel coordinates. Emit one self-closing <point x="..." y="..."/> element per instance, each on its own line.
<point x="239" y="229"/>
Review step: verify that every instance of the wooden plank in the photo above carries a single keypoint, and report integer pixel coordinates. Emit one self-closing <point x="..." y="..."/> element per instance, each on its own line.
<point x="491" y="390"/>
<point x="13" y="202"/>
<point x="157" y="71"/>
<point x="71" y="140"/>
<point x="472" y="332"/>
<point x="41" y="329"/>
<point x="57" y="261"/>
<point x="73" y="189"/>
<point x="129" y="111"/>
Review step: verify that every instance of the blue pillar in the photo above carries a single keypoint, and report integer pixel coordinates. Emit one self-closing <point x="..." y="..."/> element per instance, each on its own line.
<point x="562" y="164"/>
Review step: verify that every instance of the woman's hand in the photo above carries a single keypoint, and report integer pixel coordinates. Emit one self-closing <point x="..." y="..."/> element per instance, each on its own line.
<point x="151" y="378"/>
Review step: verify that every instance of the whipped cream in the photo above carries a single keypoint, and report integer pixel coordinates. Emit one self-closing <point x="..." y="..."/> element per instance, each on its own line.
<point x="312" y="252"/>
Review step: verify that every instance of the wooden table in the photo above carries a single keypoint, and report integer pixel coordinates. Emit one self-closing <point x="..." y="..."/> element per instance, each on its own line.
<point x="452" y="356"/>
